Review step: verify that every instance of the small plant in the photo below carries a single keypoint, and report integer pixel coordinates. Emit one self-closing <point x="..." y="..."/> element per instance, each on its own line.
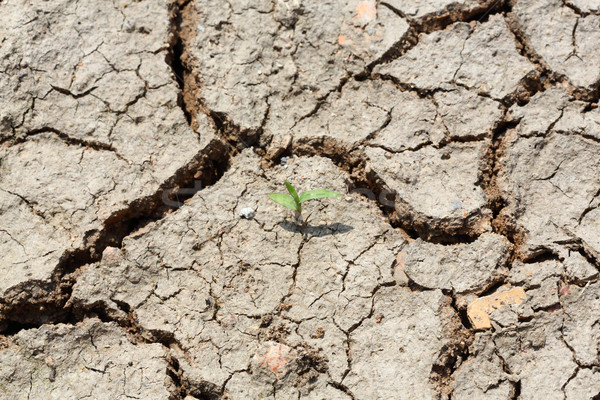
<point x="294" y="202"/>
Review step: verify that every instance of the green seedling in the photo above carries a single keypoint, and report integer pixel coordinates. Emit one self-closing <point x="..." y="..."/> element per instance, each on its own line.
<point x="294" y="202"/>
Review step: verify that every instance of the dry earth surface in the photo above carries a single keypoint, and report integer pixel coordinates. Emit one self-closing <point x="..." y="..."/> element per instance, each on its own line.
<point x="462" y="262"/>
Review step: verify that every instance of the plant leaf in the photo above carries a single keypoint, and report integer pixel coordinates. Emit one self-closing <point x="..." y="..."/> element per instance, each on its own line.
<point x="317" y="194"/>
<point x="292" y="191"/>
<point x="285" y="200"/>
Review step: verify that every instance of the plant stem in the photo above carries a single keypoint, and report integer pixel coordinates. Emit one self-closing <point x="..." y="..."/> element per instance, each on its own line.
<point x="298" y="216"/>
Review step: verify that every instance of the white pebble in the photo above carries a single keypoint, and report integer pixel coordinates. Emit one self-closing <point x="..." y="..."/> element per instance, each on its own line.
<point x="247" y="212"/>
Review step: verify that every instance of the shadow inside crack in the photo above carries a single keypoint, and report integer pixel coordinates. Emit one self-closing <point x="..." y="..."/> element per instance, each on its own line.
<point x="316" y="230"/>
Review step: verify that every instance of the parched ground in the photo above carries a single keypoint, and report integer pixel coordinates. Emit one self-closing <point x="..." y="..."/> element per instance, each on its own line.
<point x="141" y="258"/>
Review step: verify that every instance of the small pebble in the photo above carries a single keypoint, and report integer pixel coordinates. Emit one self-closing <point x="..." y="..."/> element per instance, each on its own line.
<point x="247" y="213"/>
<point x="283" y="160"/>
<point x="52" y="374"/>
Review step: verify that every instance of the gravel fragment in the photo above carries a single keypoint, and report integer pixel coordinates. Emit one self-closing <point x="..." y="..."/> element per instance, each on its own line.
<point x="247" y="212"/>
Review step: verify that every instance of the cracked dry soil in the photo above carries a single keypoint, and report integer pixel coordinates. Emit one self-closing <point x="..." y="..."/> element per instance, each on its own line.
<point x="462" y="263"/>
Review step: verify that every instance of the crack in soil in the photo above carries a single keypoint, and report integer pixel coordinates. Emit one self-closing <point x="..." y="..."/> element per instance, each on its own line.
<point x="547" y="77"/>
<point x="33" y="303"/>
<point x="432" y="22"/>
<point x="502" y="223"/>
<point x="440" y="20"/>
<point x="91" y="144"/>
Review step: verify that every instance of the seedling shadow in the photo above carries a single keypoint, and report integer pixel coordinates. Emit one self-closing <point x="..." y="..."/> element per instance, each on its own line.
<point x="316" y="230"/>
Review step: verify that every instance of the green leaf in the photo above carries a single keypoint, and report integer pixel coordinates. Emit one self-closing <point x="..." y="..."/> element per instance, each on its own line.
<point x="292" y="191"/>
<point x="285" y="200"/>
<point x="317" y="194"/>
